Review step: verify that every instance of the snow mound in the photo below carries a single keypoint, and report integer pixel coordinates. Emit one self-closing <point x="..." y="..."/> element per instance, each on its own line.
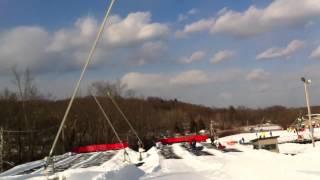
<point x="151" y="161"/>
<point x="127" y="172"/>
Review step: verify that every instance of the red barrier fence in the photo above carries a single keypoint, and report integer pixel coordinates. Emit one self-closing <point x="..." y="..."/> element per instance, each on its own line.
<point x="99" y="147"/>
<point x="198" y="138"/>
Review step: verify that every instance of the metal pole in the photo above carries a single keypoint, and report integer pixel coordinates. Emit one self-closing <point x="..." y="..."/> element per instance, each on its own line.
<point x="309" y="111"/>
<point x="1" y="149"/>
<point x="80" y="78"/>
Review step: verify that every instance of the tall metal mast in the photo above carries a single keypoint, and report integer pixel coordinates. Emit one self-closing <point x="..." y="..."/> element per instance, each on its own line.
<point x="88" y="60"/>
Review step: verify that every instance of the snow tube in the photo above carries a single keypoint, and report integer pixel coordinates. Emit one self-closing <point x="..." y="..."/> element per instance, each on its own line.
<point x="99" y="147"/>
<point x="197" y="138"/>
<point x="230" y="143"/>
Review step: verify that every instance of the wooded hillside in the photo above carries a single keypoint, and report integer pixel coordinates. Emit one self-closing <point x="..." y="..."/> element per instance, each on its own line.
<point x="30" y="120"/>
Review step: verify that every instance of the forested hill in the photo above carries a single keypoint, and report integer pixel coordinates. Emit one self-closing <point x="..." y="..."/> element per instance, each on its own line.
<point x="34" y="122"/>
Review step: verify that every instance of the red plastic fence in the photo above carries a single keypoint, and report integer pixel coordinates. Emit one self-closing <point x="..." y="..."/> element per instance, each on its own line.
<point x="99" y="147"/>
<point x="198" y="138"/>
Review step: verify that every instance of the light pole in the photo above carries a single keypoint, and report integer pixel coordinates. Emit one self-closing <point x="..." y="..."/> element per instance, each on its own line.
<point x="306" y="82"/>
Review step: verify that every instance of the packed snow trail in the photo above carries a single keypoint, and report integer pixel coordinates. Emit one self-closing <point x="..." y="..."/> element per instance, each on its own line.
<point x="32" y="167"/>
<point x="198" y="151"/>
<point x="188" y="167"/>
<point x="62" y="163"/>
<point x="95" y="160"/>
<point x="167" y="152"/>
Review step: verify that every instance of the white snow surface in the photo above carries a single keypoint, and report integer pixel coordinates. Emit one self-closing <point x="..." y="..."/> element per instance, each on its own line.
<point x="247" y="164"/>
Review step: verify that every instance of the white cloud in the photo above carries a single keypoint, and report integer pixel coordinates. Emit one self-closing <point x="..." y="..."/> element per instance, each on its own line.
<point x="262" y="88"/>
<point x="222" y="56"/>
<point x="24" y="46"/>
<point x="198" y="26"/>
<point x="192" y="77"/>
<point x="40" y="50"/>
<point x="222" y="11"/>
<point x="140" y="81"/>
<point x="134" y="28"/>
<point x="315" y="54"/>
<point x="151" y="51"/>
<point x="135" y="80"/>
<point x="196" y="77"/>
<point x="225" y="96"/>
<point x="183" y="17"/>
<point x="257" y="75"/>
<point x="196" y="56"/>
<point x="286" y="52"/>
<point x="280" y="13"/>
<point x="253" y="21"/>
<point x="193" y="11"/>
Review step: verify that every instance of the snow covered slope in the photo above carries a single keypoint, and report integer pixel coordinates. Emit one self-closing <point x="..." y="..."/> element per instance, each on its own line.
<point x="178" y="162"/>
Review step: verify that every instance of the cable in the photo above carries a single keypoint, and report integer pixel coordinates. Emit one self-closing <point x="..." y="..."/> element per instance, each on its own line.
<point x="126" y="119"/>
<point x="29" y="131"/>
<point x="113" y="129"/>
<point x="107" y="118"/>
<point x="81" y="77"/>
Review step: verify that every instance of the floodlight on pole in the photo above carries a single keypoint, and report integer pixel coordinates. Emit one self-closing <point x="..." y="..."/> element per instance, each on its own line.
<point x="306" y="82"/>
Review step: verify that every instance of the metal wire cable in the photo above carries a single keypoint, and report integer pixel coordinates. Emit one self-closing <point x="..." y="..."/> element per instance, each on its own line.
<point x="29" y="131"/>
<point x="107" y="118"/>
<point x="125" y="118"/>
<point x="98" y="37"/>
<point x="113" y="129"/>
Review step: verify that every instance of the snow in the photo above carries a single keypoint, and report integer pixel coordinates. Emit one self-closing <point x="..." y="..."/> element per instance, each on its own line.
<point x="126" y="172"/>
<point x="245" y="164"/>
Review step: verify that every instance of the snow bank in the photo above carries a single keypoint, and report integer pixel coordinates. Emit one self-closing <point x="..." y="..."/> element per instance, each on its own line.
<point x="151" y="161"/>
<point x="127" y="172"/>
<point x="285" y="136"/>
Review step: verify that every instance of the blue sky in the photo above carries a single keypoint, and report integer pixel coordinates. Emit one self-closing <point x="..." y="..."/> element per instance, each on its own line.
<point x="210" y="52"/>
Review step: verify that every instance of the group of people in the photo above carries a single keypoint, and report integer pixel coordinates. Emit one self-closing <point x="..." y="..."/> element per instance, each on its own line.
<point x="290" y="129"/>
<point x="216" y="143"/>
<point x="263" y="134"/>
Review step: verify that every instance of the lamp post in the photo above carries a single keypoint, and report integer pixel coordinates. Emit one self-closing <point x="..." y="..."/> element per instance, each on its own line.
<point x="306" y="82"/>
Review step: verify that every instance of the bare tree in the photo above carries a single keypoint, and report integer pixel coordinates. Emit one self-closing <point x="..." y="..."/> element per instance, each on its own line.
<point x="101" y="88"/>
<point x="27" y="91"/>
<point x="8" y="95"/>
<point x="30" y="90"/>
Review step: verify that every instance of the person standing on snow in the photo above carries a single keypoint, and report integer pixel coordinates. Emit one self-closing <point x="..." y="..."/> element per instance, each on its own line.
<point x="193" y="144"/>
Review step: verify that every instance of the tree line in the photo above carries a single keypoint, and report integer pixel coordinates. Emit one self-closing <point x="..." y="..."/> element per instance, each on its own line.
<point x="31" y="119"/>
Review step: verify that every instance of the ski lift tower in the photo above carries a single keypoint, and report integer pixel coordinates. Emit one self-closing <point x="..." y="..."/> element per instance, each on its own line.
<point x="306" y="82"/>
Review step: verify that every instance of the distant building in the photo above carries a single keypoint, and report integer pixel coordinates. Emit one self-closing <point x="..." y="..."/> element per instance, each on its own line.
<point x="262" y="127"/>
<point x="315" y="120"/>
<point x="268" y="143"/>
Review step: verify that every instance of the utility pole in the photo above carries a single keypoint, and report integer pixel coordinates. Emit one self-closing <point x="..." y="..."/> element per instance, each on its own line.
<point x="1" y="149"/>
<point x="306" y="82"/>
